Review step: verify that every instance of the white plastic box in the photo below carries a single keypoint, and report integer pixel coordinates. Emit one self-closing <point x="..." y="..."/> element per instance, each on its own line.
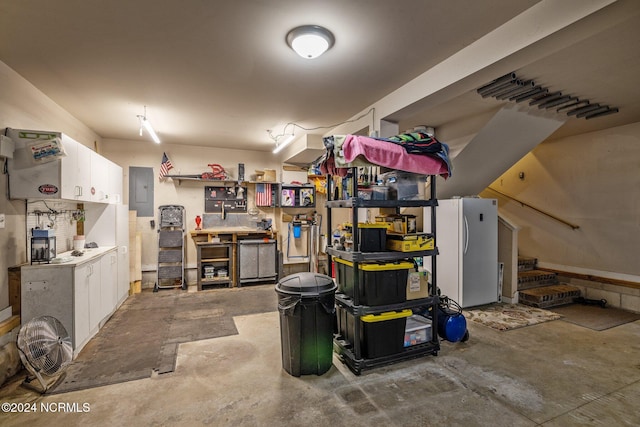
<point x="417" y="331"/>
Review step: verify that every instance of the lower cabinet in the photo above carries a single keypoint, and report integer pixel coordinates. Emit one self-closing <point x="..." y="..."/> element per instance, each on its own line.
<point x="257" y="260"/>
<point x="81" y="295"/>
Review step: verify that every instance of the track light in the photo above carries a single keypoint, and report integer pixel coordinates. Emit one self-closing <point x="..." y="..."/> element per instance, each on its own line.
<point x="144" y="123"/>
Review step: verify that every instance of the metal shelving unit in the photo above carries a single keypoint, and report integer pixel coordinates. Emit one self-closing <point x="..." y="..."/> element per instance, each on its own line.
<point x="350" y="352"/>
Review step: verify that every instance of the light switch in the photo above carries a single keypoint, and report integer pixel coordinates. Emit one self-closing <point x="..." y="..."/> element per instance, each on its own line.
<point x="2" y="225"/>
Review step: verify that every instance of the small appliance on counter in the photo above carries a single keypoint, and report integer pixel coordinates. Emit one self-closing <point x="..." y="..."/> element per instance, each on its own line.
<point x="43" y="246"/>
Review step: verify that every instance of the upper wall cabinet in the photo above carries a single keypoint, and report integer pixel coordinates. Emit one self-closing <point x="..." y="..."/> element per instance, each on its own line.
<point x="50" y="165"/>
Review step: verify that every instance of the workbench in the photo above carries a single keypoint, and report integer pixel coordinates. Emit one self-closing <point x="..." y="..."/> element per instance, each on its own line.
<point x="218" y="247"/>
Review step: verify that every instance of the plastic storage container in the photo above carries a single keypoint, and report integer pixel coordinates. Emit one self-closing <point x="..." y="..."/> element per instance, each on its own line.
<point x="404" y="185"/>
<point x="372" y="237"/>
<point x="379" y="283"/>
<point x="380" y="334"/>
<point x="417" y="330"/>
<point x="307" y="319"/>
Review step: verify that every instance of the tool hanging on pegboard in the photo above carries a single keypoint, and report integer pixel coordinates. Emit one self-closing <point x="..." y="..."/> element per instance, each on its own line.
<point x="217" y="172"/>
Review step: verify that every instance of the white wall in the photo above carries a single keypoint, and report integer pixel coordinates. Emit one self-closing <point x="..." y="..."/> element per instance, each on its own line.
<point x="187" y="160"/>
<point x="591" y="180"/>
<point x="22" y="106"/>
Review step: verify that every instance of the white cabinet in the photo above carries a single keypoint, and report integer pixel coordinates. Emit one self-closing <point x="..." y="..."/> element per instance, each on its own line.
<point x="81" y="174"/>
<point x="81" y="294"/>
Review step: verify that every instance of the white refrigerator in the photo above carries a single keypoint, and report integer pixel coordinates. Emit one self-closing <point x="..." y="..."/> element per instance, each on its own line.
<point x="467" y="242"/>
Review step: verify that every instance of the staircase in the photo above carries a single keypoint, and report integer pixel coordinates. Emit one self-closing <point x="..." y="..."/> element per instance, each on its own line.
<point x="541" y="289"/>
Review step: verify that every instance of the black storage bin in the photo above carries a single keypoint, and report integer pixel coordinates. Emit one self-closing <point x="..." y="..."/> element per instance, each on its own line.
<point x="379" y="283"/>
<point x="380" y="334"/>
<point x="307" y="319"/>
<point x="372" y="237"/>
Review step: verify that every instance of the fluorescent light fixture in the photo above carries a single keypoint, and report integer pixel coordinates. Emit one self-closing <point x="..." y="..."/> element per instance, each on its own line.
<point x="146" y="124"/>
<point x="283" y="144"/>
<point x="310" y="41"/>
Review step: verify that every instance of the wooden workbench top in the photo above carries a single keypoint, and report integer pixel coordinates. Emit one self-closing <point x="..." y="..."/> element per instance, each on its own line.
<point x="229" y="230"/>
<point x="207" y="234"/>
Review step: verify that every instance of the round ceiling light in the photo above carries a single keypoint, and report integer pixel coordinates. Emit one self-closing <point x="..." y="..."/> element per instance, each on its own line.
<point x="310" y="41"/>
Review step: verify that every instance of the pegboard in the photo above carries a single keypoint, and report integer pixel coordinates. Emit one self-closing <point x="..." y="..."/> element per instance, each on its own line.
<point x="233" y="198"/>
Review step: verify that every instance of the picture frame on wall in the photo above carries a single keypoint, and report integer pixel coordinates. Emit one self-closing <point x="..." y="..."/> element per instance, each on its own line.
<point x="288" y="197"/>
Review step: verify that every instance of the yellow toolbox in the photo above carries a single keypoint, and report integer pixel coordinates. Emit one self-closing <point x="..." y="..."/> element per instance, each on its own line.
<point x="410" y="242"/>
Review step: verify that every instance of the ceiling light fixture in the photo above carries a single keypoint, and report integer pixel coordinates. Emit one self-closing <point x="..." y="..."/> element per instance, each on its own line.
<point x="146" y="124"/>
<point x="310" y="41"/>
<point x="283" y="144"/>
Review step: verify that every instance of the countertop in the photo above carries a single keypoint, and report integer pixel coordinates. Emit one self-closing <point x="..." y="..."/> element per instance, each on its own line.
<point x="67" y="260"/>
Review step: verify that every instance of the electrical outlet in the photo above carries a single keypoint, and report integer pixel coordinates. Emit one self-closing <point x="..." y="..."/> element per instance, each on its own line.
<point x="2" y="221"/>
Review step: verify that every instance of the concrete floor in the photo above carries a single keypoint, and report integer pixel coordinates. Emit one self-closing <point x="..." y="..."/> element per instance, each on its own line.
<point x="551" y="374"/>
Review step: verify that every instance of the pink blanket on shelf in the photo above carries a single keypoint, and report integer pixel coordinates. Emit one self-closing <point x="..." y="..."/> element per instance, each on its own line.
<point x="391" y="155"/>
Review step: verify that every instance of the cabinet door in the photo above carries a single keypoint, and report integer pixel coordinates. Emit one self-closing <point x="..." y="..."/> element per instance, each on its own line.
<point x="93" y="279"/>
<point x="267" y="260"/>
<point x="75" y="175"/>
<point x="81" y="305"/>
<point x="99" y="178"/>
<point x="248" y="261"/>
<point x="69" y="170"/>
<point x="108" y="283"/>
<point x="114" y="188"/>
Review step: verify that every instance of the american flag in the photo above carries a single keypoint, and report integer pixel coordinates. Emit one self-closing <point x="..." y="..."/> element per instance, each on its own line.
<point x="165" y="166"/>
<point x="263" y="194"/>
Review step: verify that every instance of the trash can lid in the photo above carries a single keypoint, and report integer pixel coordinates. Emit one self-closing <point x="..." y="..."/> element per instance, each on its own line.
<point x="306" y="284"/>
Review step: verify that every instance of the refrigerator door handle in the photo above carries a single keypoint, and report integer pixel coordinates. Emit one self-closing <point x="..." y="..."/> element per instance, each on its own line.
<point x="466" y="235"/>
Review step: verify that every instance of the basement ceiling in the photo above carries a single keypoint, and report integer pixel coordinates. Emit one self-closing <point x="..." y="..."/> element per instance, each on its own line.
<point x="219" y="74"/>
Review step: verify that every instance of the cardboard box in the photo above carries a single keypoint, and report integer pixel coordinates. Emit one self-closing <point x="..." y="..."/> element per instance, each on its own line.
<point x="401" y="223"/>
<point x="410" y="242"/>
<point x="417" y="285"/>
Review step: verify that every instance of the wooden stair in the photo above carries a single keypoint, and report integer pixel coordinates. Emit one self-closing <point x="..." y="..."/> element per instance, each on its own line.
<point x="541" y="289"/>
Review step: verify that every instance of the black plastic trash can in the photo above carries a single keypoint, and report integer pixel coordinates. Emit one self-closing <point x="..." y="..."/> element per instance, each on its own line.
<point x="307" y="317"/>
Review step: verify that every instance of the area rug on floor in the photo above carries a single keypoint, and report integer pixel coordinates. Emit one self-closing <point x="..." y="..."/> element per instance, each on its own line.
<point x="143" y="335"/>
<point x="508" y="316"/>
<point x="595" y="317"/>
